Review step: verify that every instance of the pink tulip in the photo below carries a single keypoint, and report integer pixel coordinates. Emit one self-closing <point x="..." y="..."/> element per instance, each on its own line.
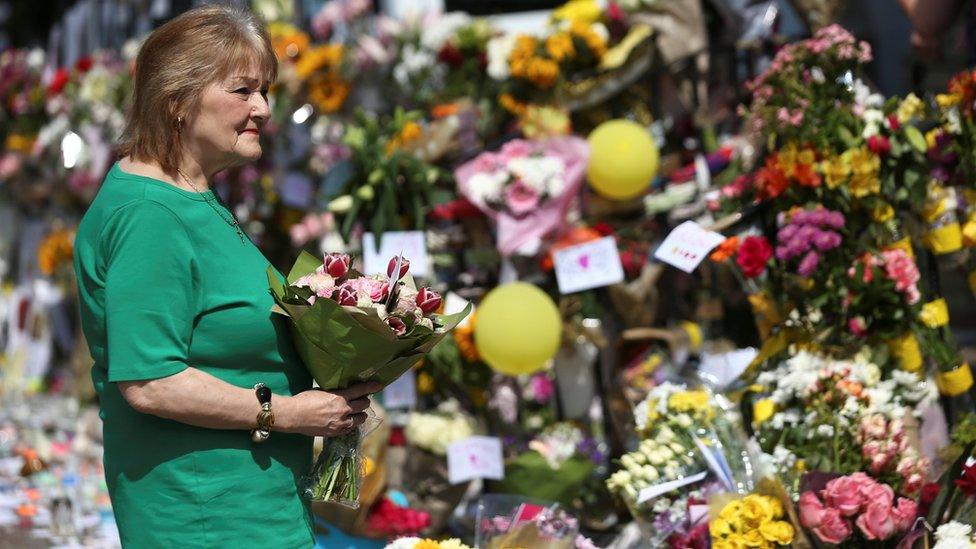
<point x="336" y="265"/>
<point x="397" y="325"/>
<point x="404" y="267"/>
<point x="347" y="296"/>
<point x="428" y="300"/>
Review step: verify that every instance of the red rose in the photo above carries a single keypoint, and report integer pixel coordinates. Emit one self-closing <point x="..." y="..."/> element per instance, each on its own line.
<point x="83" y="64"/>
<point x="754" y="253"/>
<point x="967" y="482"/>
<point x="893" y="123"/>
<point x="58" y="82"/>
<point x="879" y="145"/>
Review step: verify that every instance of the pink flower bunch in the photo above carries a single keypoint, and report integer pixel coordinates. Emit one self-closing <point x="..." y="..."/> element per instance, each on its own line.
<point x="338" y="12"/>
<point x="885" y="444"/>
<point x="519" y="177"/>
<point x="541" y="388"/>
<point x="901" y="269"/>
<point x="407" y="306"/>
<point x="809" y="234"/>
<point x="856" y="500"/>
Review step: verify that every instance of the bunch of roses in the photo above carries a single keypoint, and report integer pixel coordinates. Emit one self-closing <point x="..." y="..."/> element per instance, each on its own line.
<point x="856" y="500"/>
<point x="884" y="443"/>
<point x="753" y="521"/>
<point x="391" y="520"/>
<point x="408" y="307"/>
<point x="518" y="178"/>
<point x="809" y="233"/>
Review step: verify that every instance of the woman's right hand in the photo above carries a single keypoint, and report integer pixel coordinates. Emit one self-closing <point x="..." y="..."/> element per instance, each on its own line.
<point x="325" y="413"/>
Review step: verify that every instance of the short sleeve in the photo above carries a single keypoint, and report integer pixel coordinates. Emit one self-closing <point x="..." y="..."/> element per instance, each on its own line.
<point x="150" y="284"/>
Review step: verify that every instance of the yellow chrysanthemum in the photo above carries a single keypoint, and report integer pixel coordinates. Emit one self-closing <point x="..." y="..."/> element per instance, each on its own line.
<point x="696" y="402"/>
<point x="427" y="544"/>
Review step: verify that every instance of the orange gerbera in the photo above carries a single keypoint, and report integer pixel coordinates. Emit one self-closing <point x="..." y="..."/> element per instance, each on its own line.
<point x="725" y="250"/>
<point x="770" y="180"/>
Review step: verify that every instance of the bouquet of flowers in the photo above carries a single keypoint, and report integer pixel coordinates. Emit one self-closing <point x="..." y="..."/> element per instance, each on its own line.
<point x="384" y="185"/>
<point x="532" y="527"/>
<point x="854" y="510"/>
<point x="349" y="328"/>
<point x="417" y="543"/>
<point x="756" y="520"/>
<point x="689" y="450"/>
<point x="526" y="187"/>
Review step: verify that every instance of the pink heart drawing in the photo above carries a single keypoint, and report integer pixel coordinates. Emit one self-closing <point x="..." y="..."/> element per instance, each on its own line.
<point x="584" y="261"/>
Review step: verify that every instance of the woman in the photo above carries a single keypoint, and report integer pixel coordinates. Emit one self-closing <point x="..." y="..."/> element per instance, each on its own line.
<point x="176" y="310"/>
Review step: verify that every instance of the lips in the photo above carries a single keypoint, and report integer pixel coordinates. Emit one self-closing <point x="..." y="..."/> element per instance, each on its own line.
<point x="255" y="132"/>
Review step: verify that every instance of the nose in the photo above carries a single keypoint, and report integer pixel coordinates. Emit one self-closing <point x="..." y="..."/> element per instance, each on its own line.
<point x="259" y="107"/>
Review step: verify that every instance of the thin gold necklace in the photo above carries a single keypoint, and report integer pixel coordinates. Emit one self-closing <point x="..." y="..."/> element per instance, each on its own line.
<point x="232" y="222"/>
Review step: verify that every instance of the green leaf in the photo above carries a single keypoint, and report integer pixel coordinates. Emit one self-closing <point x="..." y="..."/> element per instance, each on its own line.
<point x="916" y="138"/>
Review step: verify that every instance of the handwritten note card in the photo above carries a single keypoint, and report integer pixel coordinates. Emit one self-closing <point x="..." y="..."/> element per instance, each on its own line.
<point x="402" y="393"/>
<point x="475" y="457"/>
<point x="687" y="245"/>
<point x="588" y="265"/>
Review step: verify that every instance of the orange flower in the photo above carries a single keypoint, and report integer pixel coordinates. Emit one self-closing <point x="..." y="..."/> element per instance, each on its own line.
<point x="318" y="58"/>
<point x="287" y="41"/>
<point x="559" y="46"/>
<point x="464" y="338"/>
<point x="512" y="105"/>
<point x="807" y="176"/>
<point x="852" y="388"/>
<point x="445" y="109"/>
<point x="770" y="180"/>
<point x="327" y="92"/>
<point x="725" y="250"/>
<point x="56" y="249"/>
<point x="411" y="131"/>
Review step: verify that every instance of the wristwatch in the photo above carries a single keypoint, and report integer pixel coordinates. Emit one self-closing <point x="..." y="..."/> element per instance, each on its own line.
<point x="265" y="417"/>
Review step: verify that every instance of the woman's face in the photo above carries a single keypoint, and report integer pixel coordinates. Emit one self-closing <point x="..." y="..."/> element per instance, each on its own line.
<point x="226" y="129"/>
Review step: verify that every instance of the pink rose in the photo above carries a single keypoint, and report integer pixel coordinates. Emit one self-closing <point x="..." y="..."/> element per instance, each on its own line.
<point x="877" y="523"/>
<point x="320" y="283"/>
<point x="515" y="148"/>
<point x="811" y="510"/>
<point x="876" y="493"/>
<point x="874" y="426"/>
<point x="845" y="494"/>
<point x="377" y="290"/>
<point x="520" y="198"/>
<point x="337" y="265"/>
<point x="397" y="325"/>
<point x="428" y="300"/>
<point x="404" y="268"/>
<point x="833" y="528"/>
<point x="904" y="514"/>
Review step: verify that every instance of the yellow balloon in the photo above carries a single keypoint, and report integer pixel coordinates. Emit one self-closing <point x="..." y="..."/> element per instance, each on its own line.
<point x="623" y="159"/>
<point x="518" y="329"/>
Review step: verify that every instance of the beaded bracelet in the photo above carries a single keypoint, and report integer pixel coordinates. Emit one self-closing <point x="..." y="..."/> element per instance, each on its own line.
<point x="265" y="417"/>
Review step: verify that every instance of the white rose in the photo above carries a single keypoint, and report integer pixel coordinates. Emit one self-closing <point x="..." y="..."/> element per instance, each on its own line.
<point x="499" y="48"/>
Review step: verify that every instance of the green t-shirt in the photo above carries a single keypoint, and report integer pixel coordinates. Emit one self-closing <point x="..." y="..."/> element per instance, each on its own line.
<point x="165" y="283"/>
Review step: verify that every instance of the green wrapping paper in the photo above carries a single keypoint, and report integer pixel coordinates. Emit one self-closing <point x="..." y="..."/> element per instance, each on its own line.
<point x="343" y="346"/>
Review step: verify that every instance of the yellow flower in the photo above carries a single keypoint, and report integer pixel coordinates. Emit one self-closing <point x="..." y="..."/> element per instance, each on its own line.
<point x="882" y="212"/>
<point x="770" y="505"/>
<point x="863" y="161"/>
<point x="909" y="108"/>
<point x="20" y="143"/>
<point x="425" y="383"/>
<point x="731" y="511"/>
<point x="753" y="538"/>
<point x="696" y="402"/>
<point x="719" y="528"/>
<point x="544" y="121"/>
<point x="453" y="543"/>
<point x="754" y="512"/>
<point x="930" y="137"/>
<point x="763" y="410"/>
<point x="863" y="185"/>
<point x="287" y="40"/>
<point x="559" y="46"/>
<point x="946" y="100"/>
<point x="427" y="544"/>
<point x="777" y="531"/>
<point x="593" y="40"/>
<point x="318" y="58"/>
<point x="836" y="170"/>
<point x="327" y="92"/>
<point x="786" y="159"/>
<point x="585" y="11"/>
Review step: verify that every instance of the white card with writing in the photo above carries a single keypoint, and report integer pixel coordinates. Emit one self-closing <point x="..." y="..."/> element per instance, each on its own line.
<point x="454" y="303"/>
<point x="402" y="393"/>
<point x="687" y="245"/>
<point x="412" y="244"/>
<point x="475" y="457"/>
<point x="588" y="265"/>
<point x="656" y="490"/>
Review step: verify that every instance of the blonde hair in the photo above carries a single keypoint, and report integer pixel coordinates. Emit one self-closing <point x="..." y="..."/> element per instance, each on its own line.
<point x="176" y="64"/>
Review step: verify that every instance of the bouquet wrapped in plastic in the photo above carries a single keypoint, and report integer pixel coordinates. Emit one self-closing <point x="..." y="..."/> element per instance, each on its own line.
<point x="349" y="328"/>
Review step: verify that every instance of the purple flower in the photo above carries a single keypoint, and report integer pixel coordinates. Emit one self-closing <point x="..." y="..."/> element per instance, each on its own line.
<point x="786" y="233"/>
<point x="826" y="240"/>
<point x="809" y="264"/>
<point x="834" y="220"/>
<point x="806" y="233"/>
